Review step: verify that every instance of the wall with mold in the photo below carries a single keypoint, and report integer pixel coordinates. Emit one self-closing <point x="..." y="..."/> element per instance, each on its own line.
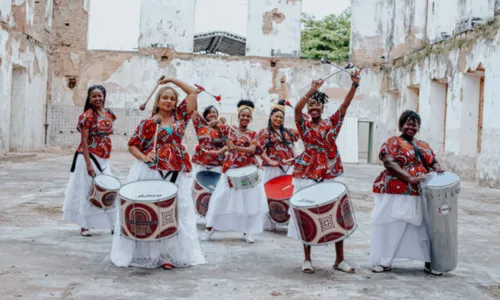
<point x="274" y="25"/>
<point x="450" y="82"/>
<point x="24" y="67"/>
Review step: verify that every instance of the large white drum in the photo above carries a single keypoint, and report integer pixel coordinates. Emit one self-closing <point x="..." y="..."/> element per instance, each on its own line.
<point x="104" y="191"/>
<point x="323" y="213"/>
<point x="243" y="178"/>
<point x="440" y="192"/>
<point x="148" y="210"/>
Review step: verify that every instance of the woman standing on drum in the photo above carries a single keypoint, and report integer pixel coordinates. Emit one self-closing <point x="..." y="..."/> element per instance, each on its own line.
<point x="160" y="155"/>
<point x="277" y="143"/>
<point x="232" y="209"/>
<point x="399" y="226"/>
<point x="320" y="161"/>
<point x="95" y="126"/>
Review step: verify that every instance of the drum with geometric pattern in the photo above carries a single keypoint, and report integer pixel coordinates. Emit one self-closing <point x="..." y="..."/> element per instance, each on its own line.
<point x="104" y="191"/>
<point x="148" y="210"/>
<point x="278" y="192"/>
<point x="323" y="213"/>
<point x="203" y="186"/>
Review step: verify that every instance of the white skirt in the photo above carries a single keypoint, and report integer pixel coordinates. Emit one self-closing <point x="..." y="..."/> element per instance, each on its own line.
<point x="182" y="250"/>
<point x="197" y="168"/>
<point x="77" y="208"/>
<point x="399" y="230"/>
<point x="299" y="184"/>
<point x="269" y="173"/>
<point x="240" y="210"/>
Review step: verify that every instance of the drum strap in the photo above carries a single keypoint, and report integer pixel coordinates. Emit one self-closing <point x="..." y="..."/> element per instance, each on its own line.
<point x="419" y="154"/>
<point x="173" y="179"/>
<point x="92" y="157"/>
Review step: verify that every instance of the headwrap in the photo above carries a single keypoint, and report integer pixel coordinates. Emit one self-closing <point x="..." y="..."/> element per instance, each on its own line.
<point x="245" y="107"/>
<point x="277" y="106"/>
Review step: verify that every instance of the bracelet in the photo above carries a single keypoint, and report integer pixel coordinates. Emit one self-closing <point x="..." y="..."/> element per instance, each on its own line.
<point x="356" y="85"/>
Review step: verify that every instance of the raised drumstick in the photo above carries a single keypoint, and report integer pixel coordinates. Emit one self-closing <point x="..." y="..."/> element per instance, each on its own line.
<point x="143" y="106"/>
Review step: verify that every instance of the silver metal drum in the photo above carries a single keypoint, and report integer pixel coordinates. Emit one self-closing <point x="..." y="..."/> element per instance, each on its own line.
<point x="440" y="192"/>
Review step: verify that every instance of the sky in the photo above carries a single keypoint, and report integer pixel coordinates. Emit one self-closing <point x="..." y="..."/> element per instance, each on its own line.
<point x="114" y="24"/>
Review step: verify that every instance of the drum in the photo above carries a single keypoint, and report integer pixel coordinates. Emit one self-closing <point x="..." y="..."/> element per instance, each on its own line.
<point x="278" y="192"/>
<point x="244" y="178"/>
<point x="323" y="213"/>
<point x="440" y="192"/>
<point x="203" y="186"/>
<point x="148" y="210"/>
<point x="104" y="191"/>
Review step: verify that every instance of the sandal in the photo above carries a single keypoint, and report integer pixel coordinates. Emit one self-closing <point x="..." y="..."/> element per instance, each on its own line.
<point x="85" y="232"/>
<point x="344" y="267"/>
<point x="381" y="269"/>
<point x="307" y="267"/>
<point x="167" y="266"/>
<point x="427" y="269"/>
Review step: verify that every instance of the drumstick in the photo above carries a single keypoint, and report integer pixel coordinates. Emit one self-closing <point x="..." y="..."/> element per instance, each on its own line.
<point x="156" y="138"/>
<point x="287" y="187"/>
<point x="143" y="105"/>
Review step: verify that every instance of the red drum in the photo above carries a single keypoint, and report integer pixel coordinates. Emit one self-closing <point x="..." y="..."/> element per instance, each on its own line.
<point x="278" y="192"/>
<point x="104" y="191"/>
<point x="203" y="186"/>
<point x="323" y="213"/>
<point x="148" y="210"/>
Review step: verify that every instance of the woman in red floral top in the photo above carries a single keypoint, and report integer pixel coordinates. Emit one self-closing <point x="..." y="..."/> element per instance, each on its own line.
<point x="240" y="210"/>
<point x="276" y="142"/>
<point x="320" y="160"/>
<point x="398" y="212"/>
<point x="95" y="126"/>
<point x="168" y="161"/>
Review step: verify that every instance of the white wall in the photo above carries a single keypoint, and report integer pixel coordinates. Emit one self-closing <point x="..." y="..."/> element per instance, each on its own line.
<point x="273" y="24"/>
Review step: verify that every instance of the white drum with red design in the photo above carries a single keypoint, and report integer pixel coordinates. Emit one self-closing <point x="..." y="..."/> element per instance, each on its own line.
<point x="148" y="210"/>
<point x="323" y="213"/>
<point x="104" y="191"/>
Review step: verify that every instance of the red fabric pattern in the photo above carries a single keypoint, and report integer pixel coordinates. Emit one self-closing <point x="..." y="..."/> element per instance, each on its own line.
<point x="209" y="139"/>
<point x="272" y="144"/>
<point x="234" y="159"/>
<point x="100" y="129"/>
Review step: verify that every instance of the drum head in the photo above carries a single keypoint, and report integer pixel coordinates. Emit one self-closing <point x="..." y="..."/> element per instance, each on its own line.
<point x="239" y="172"/>
<point x="279" y="188"/>
<point x="148" y="190"/>
<point x="318" y="194"/>
<point x="208" y="179"/>
<point x="438" y="180"/>
<point x="108" y="182"/>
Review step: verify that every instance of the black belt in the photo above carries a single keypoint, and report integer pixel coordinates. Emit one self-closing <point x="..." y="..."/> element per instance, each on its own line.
<point x="92" y="157"/>
<point x="173" y="179"/>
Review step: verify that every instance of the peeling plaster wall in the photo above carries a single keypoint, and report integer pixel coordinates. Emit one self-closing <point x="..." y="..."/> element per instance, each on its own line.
<point x="167" y="24"/>
<point x="23" y="53"/>
<point x="274" y="25"/>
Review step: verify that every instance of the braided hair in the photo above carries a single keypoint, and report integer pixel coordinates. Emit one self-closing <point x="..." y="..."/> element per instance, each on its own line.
<point x="320" y="97"/>
<point x="88" y="103"/>
<point x="282" y="129"/>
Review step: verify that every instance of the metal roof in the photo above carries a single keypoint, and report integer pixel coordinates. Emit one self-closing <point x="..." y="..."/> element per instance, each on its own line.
<point x="219" y="42"/>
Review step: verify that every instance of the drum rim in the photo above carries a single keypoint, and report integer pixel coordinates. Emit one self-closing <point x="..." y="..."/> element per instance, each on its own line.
<point x="316" y="205"/>
<point x="256" y="169"/>
<point x="442" y="186"/>
<point x="118" y="180"/>
<point x="164" y="198"/>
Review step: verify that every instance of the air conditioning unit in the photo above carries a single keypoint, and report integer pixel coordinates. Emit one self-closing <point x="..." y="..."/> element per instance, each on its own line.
<point x="469" y="24"/>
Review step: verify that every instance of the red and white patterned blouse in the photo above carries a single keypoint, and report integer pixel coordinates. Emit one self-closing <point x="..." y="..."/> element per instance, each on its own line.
<point x="233" y="158"/>
<point x="100" y="129"/>
<point x="405" y="156"/>
<point x="272" y="144"/>
<point x="209" y="139"/>
<point x="320" y="159"/>
<point x="171" y="153"/>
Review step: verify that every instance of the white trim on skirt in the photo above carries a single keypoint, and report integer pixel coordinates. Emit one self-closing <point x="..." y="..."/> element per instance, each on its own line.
<point x="399" y="230"/>
<point x="239" y="210"/>
<point x="182" y="250"/>
<point x="77" y="208"/>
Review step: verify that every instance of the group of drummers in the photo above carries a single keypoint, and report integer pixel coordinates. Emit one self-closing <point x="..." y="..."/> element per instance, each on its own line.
<point x="153" y="216"/>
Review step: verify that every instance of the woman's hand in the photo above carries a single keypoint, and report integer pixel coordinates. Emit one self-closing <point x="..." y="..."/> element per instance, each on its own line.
<point x="416" y="179"/>
<point x="316" y="84"/>
<point x="165" y="80"/>
<point x="230" y="145"/>
<point x="355" y="77"/>
<point x="90" y="170"/>
<point x="273" y="163"/>
<point x="149" y="158"/>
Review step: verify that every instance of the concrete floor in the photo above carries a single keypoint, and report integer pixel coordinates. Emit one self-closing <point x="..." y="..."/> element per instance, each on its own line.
<point x="44" y="258"/>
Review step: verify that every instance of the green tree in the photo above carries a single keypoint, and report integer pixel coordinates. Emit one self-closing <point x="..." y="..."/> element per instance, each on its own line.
<point x="328" y="37"/>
